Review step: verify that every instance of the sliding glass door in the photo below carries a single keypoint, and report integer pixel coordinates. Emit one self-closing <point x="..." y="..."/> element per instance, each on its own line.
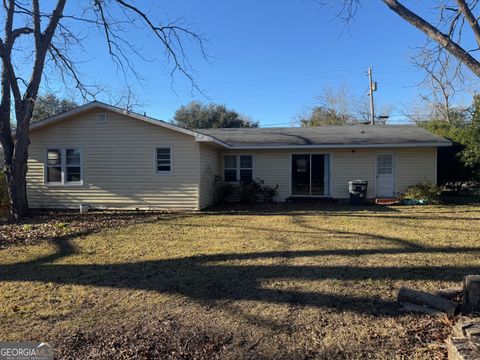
<point x="310" y="175"/>
<point x="300" y="174"/>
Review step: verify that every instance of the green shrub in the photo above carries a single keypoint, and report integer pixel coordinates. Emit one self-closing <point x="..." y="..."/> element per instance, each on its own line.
<point x="425" y="190"/>
<point x="250" y="192"/>
<point x="223" y="190"/>
<point x="267" y="192"/>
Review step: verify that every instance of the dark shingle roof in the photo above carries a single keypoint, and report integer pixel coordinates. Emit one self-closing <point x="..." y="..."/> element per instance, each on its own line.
<point x="362" y="135"/>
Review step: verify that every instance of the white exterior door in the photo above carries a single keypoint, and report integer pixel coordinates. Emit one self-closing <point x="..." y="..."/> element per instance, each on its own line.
<point x="385" y="175"/>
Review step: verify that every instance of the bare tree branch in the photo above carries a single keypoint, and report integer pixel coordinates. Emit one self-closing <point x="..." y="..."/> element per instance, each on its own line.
<point x="63" y="62"/>
<point x="165" y="34"/>
<point x="21" y="31"/>
<point x="445" y="41"/>
<point x="462" y="5"/>
<point x="448" y="32"/>
<point x="443" y="74"/>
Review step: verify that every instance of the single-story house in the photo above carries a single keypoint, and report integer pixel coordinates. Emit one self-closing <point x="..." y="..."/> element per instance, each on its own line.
<point x="106" y="157"/>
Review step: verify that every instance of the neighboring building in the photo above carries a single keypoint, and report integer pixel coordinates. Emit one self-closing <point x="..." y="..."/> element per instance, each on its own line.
<point x="105" y="157"/>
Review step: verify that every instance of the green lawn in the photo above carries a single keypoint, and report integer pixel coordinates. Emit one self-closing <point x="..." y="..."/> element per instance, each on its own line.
<point x="278" y="282"/>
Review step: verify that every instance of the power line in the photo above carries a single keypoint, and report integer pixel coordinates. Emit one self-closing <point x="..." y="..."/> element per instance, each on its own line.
<point x="406" y="116"/>
<point x="279" y="124"/>
<point x="333" y="74"/>
<point x="411" y="115"/>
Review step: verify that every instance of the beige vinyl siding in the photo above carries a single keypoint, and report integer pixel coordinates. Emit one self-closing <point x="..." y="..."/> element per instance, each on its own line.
<point x="209" y="168"/>
<point x="271" y="166"/>
<point x="119" y="166"/>
<point x="413" y="165"/>
<point x="350" y="165"/>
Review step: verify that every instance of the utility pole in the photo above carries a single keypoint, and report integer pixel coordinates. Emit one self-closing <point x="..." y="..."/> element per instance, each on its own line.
<point x="373" y="87"/>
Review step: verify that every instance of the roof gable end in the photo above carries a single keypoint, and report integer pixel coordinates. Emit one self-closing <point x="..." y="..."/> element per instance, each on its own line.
<point x="100" y="105"/>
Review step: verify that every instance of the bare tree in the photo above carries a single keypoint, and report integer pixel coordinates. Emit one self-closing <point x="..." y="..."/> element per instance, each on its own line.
<point x="416" y="110"/>
<point x="127" y="100"/>
<point x="448" y="32"/>
<point x="339" y="106"/>
<point x="422" y="109"/>
<point x="45" y="38"/>
<point x="443" y="76"/>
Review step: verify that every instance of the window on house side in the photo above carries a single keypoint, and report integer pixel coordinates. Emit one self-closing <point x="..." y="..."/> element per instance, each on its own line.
<point x="230" y="171"/>
<point x="238" y="168"/>
<point x="54" y="166"/>
<point x="64" y="166"/>
<point x="163" y="160"/>
<point x="73" y="165"/>
<point x="246" y="168"/>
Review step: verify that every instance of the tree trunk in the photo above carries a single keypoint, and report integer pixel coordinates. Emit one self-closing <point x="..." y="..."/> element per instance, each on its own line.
<point x="17" y="189"/>
<point x="422" y="298"/>
<point x="450" y="293"/>
<point x="471" y="293"/>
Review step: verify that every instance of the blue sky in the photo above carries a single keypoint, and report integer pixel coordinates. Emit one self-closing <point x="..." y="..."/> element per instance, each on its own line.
<point x="269" y="59"/>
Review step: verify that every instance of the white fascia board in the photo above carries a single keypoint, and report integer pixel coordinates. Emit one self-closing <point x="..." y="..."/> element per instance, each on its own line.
<point x="205" y="138"/>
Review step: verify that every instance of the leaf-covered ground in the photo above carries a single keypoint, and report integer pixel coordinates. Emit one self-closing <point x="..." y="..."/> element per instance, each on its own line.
<point x="285" y="281"/>
<point x="53" y="225"/>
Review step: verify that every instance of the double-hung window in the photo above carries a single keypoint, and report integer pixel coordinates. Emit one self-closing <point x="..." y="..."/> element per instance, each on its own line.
<point x="64" y="166"/>
<point x="54" y="166"/>
<point x="163" y="160"/>
<point x="238" y="168"/>
<point x="230" y="171"/>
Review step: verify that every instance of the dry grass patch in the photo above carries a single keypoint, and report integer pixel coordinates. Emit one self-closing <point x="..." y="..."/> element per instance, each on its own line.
<point x="277" y="282"/>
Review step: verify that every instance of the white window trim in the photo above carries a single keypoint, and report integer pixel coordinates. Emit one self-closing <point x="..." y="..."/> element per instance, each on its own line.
<point x="237" y="156"/>
<point x="63" y="166"/>
<point x="155" y="166"/>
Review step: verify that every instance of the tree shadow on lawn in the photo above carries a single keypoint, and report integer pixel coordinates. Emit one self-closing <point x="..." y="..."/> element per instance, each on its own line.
<point x="294" y="208"/>
<point x="340" y="210"/>
<point x="203" y="279"/>
<point x="314" y="231"/>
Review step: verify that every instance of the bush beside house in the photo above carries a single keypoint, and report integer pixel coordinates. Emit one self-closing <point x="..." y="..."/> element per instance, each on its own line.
<point x="252" y="192"/>
<point x="425" y="191"/>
